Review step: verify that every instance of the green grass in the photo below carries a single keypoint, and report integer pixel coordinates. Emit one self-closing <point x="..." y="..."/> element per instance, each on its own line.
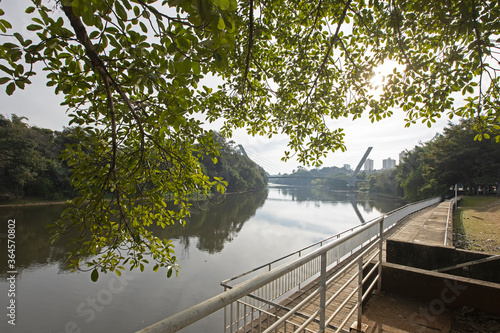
<point x="476" y="224"/>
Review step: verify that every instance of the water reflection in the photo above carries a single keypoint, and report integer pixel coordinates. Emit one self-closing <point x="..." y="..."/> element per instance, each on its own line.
<point x="214" y="225"/>
<point x="33" y="243"/>
<point x="211" y="227"/>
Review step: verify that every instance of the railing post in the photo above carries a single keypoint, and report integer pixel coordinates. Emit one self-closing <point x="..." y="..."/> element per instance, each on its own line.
<point x="322" y="298"/>
<point x="225" y="314"/>
<point x="360" y="292"/>
<point x="380" y="258"/>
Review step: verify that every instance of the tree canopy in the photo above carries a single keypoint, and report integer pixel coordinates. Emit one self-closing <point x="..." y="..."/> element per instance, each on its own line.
<point x="453" y="157"/>
<point x="135" y="76"/>
<point x="239" y="172"/>
<point x="30" y="165"/>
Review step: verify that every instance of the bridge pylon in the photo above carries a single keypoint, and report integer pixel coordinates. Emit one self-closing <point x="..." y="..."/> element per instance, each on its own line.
<point x="351" y="182"/>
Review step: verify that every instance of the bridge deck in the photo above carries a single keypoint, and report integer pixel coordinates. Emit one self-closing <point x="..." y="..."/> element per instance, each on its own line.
<point x="308" y="310"/>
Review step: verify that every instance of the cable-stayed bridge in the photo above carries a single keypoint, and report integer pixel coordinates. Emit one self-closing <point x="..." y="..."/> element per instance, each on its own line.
<point x="271" y="167"/>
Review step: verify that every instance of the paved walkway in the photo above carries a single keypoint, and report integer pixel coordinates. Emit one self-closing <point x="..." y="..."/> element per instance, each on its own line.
<point x="393" y="314"/>
<point x="427" y="226"/>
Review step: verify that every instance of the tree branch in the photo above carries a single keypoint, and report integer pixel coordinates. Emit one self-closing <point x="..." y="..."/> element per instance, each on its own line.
<point x="250" y="41"/>
<point x="98" y="64"/>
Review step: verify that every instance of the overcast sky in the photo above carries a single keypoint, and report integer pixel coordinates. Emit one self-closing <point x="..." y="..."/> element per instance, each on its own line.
<point x="388" y="137"/>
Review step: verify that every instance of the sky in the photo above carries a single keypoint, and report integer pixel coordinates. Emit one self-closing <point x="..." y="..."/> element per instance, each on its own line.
<point x="388" y="137"/>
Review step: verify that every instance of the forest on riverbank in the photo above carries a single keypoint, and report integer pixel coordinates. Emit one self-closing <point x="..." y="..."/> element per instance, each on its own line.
<point x="458" y="156"/>
<point x="31" y="166"/>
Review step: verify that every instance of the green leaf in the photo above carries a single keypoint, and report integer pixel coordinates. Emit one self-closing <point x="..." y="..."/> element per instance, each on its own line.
<point x="196" y="67"/>
<point x="10" y="88"/>
<point x="221" y="25"/>
<point x="94" y="275"/>
<point x="4" y="80"/>
<point x="120" y="11"/>
<point x="222" y="4"/>
<point x="137" y="11"/>
<point x="34" y="27"/>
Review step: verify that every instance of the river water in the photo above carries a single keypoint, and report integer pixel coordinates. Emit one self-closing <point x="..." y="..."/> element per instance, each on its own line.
<point x="218" y="242"/>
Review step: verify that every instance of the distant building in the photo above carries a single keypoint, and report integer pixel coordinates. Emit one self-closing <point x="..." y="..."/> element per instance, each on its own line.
<point x="368" y="166"/>
<point x="402" y="155"/>
<point x="388" y="164"/>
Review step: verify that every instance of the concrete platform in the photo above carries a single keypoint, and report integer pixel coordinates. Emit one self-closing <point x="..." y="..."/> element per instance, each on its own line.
<point x="390" y="313"/>
<point x="386" y="312"/>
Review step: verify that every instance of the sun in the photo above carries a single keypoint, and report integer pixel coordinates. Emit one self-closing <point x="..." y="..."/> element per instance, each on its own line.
<point x="380" y="74"/>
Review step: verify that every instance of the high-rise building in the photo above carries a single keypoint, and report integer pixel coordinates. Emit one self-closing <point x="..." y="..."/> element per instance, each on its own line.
<point x="388" y="164"/>
<point x="368" y="166"/>
<point x="402" y="155"/>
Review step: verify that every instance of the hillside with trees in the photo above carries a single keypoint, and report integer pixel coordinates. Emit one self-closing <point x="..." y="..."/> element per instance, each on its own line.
<point x="238" y="170"/>
<point x="457" y="156"/>
<point x="31" y="166"/>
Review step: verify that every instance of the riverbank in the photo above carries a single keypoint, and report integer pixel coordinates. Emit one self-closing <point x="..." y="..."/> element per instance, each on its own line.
<point x="476" y="224"/>
<point x="29" y="202"/>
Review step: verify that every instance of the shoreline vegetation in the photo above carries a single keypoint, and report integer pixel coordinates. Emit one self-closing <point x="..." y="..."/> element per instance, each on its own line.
<point x="42" y="202"/>
<point x="476" y="224"/>
<point x="32" y="168"/>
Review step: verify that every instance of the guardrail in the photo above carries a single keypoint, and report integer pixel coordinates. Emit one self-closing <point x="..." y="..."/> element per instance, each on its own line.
<point x="453" y="202"/>
<point x="250" y="302"/>
<point x="390" y="219"/>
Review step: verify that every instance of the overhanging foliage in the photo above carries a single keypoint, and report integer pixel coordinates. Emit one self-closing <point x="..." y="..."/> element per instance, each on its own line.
<point x="131" y="73"/>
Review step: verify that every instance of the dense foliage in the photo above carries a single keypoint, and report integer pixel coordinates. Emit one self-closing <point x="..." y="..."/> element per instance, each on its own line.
<point x="453" y="157"/>
<point x="238" y="170"/>
<point x="385" y="182"/>
<point x="30" y="165"/>
<point x="131" y="73"/>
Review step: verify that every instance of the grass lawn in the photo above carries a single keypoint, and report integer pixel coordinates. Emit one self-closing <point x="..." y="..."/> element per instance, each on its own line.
<point x="476" y="224"/>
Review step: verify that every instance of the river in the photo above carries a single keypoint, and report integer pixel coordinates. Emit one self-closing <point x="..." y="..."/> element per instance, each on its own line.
<point x="218" y="242"/>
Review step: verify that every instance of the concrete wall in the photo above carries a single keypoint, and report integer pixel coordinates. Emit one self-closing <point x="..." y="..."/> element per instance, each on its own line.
<point x="440" y="290"/>
<point x="436" y="257"/>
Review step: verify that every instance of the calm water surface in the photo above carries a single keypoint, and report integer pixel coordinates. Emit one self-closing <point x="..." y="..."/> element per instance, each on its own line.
<point x="219" y="242"/>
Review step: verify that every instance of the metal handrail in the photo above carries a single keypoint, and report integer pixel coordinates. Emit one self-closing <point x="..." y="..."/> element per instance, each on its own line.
<point x="269" y="264"/>
<point x="421" y="203"/>
<point x="203" y="309"/>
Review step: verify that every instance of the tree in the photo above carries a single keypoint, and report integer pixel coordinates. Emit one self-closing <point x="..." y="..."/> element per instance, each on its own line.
<point x="30" y="164"/>
<point x="131" y="74"/>
<point x="453" y="157"/>
<point x="239" y="172"/>
<point x="384" y="182"/>
<point x="21" y="162"/>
